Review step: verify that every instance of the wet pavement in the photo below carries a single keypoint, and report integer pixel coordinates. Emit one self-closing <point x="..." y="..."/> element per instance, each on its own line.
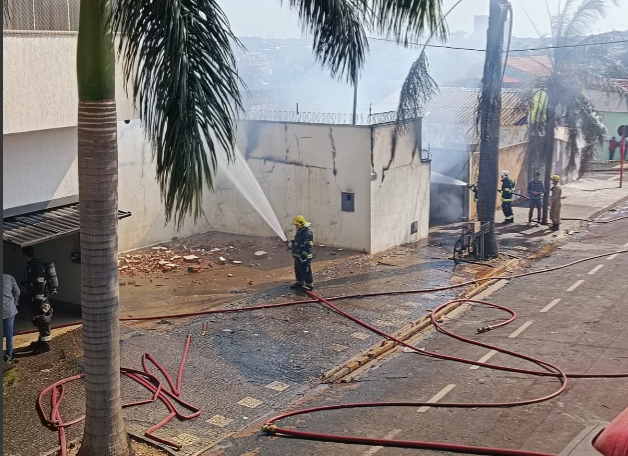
<point x="585" y="331"/>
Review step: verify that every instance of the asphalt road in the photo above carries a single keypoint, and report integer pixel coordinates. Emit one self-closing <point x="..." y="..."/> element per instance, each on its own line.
<point x="575" y="318"/>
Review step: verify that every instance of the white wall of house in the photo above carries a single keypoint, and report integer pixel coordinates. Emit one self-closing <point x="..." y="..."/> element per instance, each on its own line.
<point x="39" y="166"/>
<point x="400" y="195"/>
<point x="39" y="82"/>
<point x="138" y="192"/>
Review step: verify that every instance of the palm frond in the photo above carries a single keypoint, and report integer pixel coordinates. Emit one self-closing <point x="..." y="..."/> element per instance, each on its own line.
<point x="338" y="27"/>
<point x="418" y="88"/>
<point x="408" y="19"/>
<point x="180" y="66"/>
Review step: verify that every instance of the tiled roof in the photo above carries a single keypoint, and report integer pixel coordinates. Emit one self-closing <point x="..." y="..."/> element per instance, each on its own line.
<point x="460" y="106"/>
<point x="533" y="65"/>
<point x="41" y="226"/>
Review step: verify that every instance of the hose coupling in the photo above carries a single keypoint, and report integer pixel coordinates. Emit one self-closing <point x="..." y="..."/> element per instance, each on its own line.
<point x="484" y="329"/>
<point x="269" y="428"/>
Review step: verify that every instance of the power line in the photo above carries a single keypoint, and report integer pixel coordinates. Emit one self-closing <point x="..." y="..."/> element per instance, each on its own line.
<point x="443" y="46"/>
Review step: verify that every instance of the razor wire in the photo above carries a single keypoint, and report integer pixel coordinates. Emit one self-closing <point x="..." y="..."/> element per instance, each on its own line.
<point x="321" y="117"/>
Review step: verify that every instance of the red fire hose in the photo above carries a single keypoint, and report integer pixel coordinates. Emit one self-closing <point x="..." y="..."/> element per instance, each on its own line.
<point x="144" y="378"/>
<point x="172" y="393"/>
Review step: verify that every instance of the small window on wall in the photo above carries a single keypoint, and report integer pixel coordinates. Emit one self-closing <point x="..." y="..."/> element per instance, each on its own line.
<point x="348" y="202"/>
<point x="414" y="227"/>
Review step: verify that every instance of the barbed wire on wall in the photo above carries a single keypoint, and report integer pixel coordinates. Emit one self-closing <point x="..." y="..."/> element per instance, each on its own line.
<point x="40" y="15"/>
<point x="321" y="117"/>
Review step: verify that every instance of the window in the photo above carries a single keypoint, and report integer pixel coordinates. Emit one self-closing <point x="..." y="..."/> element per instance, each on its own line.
<point x="348" y="202"/>
<point x="414" y="227"/>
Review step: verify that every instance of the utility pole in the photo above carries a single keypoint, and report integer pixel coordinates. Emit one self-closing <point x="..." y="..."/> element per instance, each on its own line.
<point x="490" y="121"/>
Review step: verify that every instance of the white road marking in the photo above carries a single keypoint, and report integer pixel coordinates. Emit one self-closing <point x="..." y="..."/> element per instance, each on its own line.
<point x="595" y="269"/>
<point x="575" y="285"/>
<point x="436" y="398"/>
<point x="484" y="359"/>
<point x="520" y="330"/>
<point x="550" y="305"/>
<point x="612" y="257"/>
<point x="391" y="435"/>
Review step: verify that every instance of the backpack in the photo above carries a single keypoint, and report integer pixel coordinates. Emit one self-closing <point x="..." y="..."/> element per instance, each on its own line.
<point x="52" y="282"/>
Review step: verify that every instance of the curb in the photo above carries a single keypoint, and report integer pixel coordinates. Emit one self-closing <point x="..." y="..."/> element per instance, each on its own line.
<point x="337" y="373"/>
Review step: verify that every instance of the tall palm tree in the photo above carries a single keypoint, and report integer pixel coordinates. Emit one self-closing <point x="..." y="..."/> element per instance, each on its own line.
<point x="573" y="67"/>
<point x="179" y="65"/>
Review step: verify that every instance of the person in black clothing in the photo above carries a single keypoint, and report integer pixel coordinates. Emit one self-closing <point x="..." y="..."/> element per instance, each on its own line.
<point x="508" y="187"/>
<point x="535" y="193"/>
<point x="37" y="289"/>
<point x="301" y="249"/>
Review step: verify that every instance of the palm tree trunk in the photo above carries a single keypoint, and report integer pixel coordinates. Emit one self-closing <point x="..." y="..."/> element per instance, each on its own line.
<point x="550" y="133"/>
<point x="105" y="433"/>
<point x="490" y="120"/>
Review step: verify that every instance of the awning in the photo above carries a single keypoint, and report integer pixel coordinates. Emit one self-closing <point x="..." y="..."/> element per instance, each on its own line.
<point x="45" y="225"/>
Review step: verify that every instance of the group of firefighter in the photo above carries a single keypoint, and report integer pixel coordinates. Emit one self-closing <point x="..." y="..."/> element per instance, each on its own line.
<point x="536" y="190"/>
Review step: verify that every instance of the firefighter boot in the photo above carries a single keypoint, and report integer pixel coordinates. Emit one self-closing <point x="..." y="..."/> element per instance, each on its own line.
<point x="296" y="285"/>
<point x="308" y="286"/>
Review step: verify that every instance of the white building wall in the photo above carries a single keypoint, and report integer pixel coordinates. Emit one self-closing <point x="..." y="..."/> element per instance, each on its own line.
<point x="39" y="82"/>
<point x="400" y="195"/>
<point x="139" y="193"/>
<point x="303" y="169"/>
<point x="39" y="166"/>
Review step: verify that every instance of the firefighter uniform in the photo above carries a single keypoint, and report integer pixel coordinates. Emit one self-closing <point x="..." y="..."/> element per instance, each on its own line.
<point x="36" y="286"/>
<point x="508" y="187"/>
<point x="302" y="253"/>
<point x="555" y="202"/>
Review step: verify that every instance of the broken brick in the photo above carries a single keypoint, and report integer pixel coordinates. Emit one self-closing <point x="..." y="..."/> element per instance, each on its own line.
<point x="222" y="260"/>
<point x="259" y="255"/>
<point x="191" y="259"/>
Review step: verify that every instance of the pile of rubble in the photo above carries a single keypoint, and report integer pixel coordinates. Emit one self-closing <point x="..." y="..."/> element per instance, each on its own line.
<point x="179" y="256"/>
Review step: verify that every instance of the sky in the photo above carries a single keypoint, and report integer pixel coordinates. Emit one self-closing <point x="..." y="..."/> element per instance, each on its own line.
<point x="267" y="19"/>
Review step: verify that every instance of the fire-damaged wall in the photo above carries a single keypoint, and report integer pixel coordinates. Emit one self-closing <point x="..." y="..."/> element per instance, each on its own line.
<point x="400" y="189"/>
<point x="360" y="187"/>
<point x="303" y="169"/>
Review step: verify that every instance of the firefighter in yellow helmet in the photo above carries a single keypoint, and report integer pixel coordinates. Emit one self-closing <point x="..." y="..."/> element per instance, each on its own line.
<point x="301" y="249"/>
<point x="555" y="202"/>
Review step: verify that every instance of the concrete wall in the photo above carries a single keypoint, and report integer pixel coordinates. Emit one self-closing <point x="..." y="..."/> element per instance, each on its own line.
<point x="303" y="169"/>
<point x="39" y="166"/>
<point x="39" y="82"/>
<point x="400" y="194"/>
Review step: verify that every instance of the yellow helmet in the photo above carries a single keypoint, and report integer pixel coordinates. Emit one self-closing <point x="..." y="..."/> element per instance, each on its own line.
<point x="555" y="178"/>
<point x="299" y="221"/>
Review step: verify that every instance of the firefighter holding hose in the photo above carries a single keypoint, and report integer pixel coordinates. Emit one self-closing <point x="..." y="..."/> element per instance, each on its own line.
<point x="507" y="191"/>
<point x="301" y="249"/>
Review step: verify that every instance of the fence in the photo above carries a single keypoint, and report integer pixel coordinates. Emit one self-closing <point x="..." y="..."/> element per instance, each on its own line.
<point x="41" y="15"/>
<point x="321" y="117"/>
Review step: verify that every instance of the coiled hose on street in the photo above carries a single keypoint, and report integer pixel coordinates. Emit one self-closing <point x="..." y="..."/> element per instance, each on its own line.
<point x="173" y="392"/>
